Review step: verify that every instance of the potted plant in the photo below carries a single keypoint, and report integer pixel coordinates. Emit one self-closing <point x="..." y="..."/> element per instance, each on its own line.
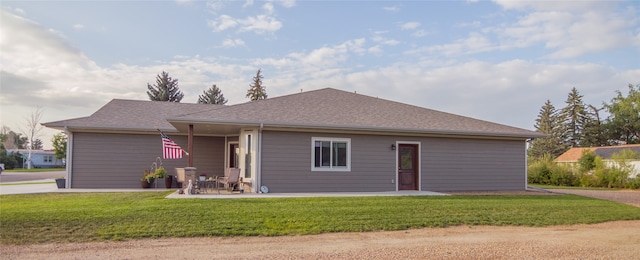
<point x="147" y="178"/>
<point x="161" y="173"/>
<point x="60" y="182"/>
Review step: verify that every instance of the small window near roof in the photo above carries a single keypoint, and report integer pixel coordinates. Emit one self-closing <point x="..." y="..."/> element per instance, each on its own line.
<point x="331" y="154"/>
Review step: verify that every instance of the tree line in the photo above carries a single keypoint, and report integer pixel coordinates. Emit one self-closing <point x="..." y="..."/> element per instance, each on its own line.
<point x="166" y="89"/>
<point x="581" y="125"/>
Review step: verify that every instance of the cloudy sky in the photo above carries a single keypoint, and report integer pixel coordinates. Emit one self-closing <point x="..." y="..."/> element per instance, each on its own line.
<point x="492" y="60"/>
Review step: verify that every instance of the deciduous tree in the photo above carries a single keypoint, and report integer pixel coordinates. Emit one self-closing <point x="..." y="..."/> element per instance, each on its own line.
<point x="60" y="146"/>
<point x="33" y="128"/>
<point x="624" y="116"/>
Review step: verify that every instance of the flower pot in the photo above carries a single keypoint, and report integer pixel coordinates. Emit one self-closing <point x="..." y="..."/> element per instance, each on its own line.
<point x="60" y="183"/>
<point x="145" y="184"/>
<point x="168" y="182"/>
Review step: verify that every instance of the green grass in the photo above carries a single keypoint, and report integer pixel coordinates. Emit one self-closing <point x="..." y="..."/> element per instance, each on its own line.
<point x="36" y="170"/>
<point x="82" y="217"/>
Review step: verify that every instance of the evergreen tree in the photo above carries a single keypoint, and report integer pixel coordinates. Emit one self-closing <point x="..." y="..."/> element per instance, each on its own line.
<point x="548" y="123"/>
<point x="574" y="117"/>
<point x="624" y="116"/>
<point x="256" y="89"/>
<point x="165" y="89"/>
<point x="213" y="96"/>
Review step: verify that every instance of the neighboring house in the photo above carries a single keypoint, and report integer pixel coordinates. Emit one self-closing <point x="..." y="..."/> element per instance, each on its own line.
<point x="39" y="158"/>
<point x="325" y="140"/>
<point x="572" y="155"/>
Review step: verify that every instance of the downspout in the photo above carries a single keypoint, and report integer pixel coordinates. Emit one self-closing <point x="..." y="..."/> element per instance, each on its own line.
<point x="526" y="163"/>
<point x="259" y="161"/>
<point x="227" y="154"/>
<point x="69" y="155"/>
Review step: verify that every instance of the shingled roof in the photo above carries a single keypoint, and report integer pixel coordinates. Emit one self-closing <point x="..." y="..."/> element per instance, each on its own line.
<point x="574" y="154"/>
<point x="325" y="108"/>
<point x="131" y="115"/>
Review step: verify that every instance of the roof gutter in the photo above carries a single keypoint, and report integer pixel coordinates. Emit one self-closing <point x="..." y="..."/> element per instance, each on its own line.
<point x="360" y="128"/>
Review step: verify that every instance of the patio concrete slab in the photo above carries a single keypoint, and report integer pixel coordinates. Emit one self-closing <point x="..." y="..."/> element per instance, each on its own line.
<point x="227" y="195"/>
<point x="49" y="185"/>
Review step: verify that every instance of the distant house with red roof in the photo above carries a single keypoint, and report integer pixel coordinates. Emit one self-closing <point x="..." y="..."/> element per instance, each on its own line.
<point x="574" y="154"/>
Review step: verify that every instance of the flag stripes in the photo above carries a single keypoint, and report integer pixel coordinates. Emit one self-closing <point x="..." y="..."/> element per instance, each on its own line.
<point x="170" y="150"/>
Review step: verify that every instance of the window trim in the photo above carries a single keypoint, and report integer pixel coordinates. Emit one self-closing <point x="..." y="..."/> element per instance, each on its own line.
<point x="330" y="168"/>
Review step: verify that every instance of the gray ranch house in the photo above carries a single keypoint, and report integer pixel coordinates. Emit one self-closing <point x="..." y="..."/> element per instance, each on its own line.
<point x="325" y="140"/>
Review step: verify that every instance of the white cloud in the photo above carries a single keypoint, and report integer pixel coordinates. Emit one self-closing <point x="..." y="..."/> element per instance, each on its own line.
<point x="393" y="9"/>
<point x="78" y="26"/>
<point x="565" y="34"/>
<point x="574" y="6"/>
<point x="232" y="43"/>
<point x="320" y="58"/>
<point x="375" y="50"/>
<point x="260" y="24"/>
<point x="410" y="26"/>
<point x="247" y="3"/>
<point x="569" y="34"/>
<point x="184" y="2"/>
<point x="223" y="22"/>
<point x="268" y="7"/>
<point x="288" y="3"/>
<point x="377" y="37"/>
<point x="215" y="6"/>
<point x="474" y="43"/>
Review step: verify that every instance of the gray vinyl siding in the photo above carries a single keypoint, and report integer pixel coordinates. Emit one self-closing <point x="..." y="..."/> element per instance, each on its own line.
<point x="447" y="164"/>
<point x="118" y="160"/>
<point x="472" y="165"/>
<point x="286" y="164"/>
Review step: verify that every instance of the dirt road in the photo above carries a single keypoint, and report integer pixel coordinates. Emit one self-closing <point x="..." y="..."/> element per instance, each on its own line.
<point x="612" y="240"/>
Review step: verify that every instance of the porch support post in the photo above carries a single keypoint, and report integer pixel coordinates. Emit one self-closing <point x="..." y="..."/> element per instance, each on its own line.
<point x="190" y="146"/>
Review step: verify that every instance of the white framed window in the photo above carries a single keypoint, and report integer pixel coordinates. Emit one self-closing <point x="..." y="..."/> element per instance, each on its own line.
<point x="330" y="154"/>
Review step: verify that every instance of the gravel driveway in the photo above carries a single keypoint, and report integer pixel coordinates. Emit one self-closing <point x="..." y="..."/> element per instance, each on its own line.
<point x="631" y="197"/>
<point x="611" y="240"/>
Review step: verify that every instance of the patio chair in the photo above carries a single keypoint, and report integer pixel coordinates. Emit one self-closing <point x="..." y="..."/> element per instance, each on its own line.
<point x="229" y="181"/>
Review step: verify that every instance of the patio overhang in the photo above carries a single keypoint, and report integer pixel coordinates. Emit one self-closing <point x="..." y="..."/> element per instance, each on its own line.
<point x="211" y="128"/>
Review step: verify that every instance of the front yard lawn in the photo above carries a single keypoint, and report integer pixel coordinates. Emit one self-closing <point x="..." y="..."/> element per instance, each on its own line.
<point x="82" y="217"/>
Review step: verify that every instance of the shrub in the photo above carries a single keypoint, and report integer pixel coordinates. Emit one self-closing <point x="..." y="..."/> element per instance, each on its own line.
<point x="546" y="171"/>
<point x="587" y="160"/>
<point x="633" y="183"/>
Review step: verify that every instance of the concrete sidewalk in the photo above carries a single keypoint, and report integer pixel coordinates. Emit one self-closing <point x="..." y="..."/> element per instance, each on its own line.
<point x="49" y="185"/>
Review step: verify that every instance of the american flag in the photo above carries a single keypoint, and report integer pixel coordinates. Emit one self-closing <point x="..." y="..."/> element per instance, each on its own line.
<point x="170" y="150"/>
